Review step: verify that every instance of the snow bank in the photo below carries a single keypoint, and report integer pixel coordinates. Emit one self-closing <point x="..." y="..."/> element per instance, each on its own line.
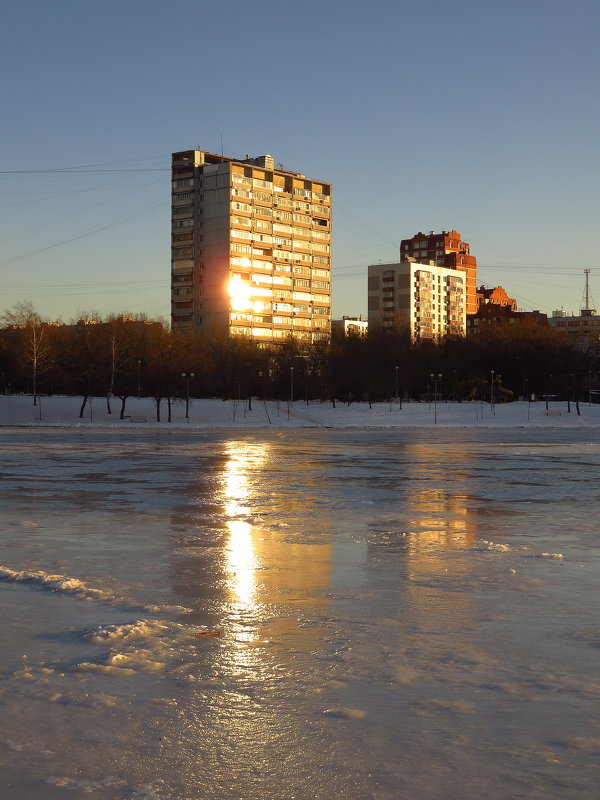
<point x="215" y="414"/>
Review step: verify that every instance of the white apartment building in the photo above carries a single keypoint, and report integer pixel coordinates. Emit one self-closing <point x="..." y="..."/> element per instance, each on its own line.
<point x="427" y="300"/>
<point x="250" y="248"/>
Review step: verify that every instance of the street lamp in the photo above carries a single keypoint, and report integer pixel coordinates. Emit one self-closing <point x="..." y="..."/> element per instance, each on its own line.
<point x="436" y="380"/>
<point x="187" y="376"/>
<point x="492" y="408"/>
<point x="291" y="385"/>
<point x="139" y="365"/>
<point x="397" y="388"/>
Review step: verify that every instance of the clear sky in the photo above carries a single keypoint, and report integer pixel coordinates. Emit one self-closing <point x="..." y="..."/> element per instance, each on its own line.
<point x="477" y="115"/>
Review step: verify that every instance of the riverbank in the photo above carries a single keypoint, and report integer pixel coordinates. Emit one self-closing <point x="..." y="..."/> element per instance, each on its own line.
<point x="19" y="410"/>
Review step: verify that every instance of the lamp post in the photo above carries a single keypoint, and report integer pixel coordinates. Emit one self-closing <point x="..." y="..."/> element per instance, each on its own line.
<point x="187" y="376"/>
<point x="435" y="378"/>
<point x="492" y="408"/>
<point x="397" y="388"/>
<point x="139" y="365"/>
<point x="292" y="385"/>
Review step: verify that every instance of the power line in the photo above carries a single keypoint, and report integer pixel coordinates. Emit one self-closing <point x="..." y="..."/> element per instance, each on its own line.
<point x="85" y="285"/>
<point x="76" y="171"/>
<point x="117" y="221"/>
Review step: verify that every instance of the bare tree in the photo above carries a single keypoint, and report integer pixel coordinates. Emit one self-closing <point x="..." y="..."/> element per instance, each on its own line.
<point x="34" y="344"/>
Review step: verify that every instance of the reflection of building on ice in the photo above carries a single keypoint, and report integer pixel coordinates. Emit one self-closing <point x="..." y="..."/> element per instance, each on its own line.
<point x="278" y="563"/>
<point x="435" y="518"/>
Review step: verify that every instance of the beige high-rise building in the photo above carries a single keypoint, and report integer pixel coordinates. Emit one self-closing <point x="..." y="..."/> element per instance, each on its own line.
<point x="250" y="248"/>
<point x="424" y="299"/>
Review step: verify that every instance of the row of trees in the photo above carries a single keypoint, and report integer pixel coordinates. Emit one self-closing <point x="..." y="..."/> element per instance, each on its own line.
<point x="120" y="357"/>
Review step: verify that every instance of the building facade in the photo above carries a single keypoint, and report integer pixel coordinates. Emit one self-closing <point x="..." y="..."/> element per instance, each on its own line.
<point x="445" y="249"/>
<point x="491" y="314"/>
<point x="349" y="326"/>
<point x="424" y="299"/>
<point x="250" y="248"/>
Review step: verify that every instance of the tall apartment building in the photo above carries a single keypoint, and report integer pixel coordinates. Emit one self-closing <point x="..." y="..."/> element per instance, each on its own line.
<point x="424" y="299"/>
<point x="447" y="250"/>
<point x="250" y="248"/>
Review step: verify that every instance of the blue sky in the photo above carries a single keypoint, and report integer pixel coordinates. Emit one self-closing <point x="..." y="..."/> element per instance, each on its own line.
<point x="475" y="115"/>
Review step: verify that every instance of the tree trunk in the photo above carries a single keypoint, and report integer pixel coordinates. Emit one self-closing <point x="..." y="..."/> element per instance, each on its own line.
<point x="108" y="409"/>
<point x="169" y="408"/>
<point x="123" y="399"/>
<point x="158" y="399"/>
<point x="83" y="405"/>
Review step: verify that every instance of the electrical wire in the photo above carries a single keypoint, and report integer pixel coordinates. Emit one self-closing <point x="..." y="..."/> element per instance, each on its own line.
<point x="117" y="221"/>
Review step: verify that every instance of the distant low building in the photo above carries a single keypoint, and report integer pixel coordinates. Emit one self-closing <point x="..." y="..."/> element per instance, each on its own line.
<point x="585" y="327"/>
<point x="491" y="314"/>
<point x="495" y="307"/>
<point x="349" y="326"/>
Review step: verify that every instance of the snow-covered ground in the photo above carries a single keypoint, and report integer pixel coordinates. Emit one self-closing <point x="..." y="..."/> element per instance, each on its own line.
<point x="236" y="414"/>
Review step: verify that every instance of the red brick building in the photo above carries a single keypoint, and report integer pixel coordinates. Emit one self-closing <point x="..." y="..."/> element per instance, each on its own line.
<point x="446" y="249"/>
<point x="495" y="296"/>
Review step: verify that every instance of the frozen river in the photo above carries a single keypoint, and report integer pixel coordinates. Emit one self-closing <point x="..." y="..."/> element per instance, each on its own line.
<point x="327" y="614"/>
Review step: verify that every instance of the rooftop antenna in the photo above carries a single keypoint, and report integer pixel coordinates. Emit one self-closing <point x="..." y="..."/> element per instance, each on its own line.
<point x="221" y="144"/>
<point x="587" y="310"/>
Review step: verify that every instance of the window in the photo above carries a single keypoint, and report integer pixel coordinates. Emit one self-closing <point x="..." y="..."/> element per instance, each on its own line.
<point x="186" y="210"/>
<point x="262" y="184"/>
<point x="241" y="234"/>
<point x="183" y="196"/>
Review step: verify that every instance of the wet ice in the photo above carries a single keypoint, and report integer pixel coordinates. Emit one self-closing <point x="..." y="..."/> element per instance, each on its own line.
<point x="398" y="612"/>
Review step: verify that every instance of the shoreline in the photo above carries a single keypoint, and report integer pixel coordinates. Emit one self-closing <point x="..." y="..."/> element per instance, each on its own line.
<point x="62" y="413"/>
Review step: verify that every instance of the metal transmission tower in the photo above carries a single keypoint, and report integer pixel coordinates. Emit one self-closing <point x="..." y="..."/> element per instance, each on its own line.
<point x="587" y="302"/>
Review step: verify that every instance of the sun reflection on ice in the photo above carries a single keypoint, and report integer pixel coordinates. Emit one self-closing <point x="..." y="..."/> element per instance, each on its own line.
<point x="241" y="558"/>
<point x="241" y="562"/>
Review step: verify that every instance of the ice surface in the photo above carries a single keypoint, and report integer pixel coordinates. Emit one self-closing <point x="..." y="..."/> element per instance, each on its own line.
<point x="397" y="613"/>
